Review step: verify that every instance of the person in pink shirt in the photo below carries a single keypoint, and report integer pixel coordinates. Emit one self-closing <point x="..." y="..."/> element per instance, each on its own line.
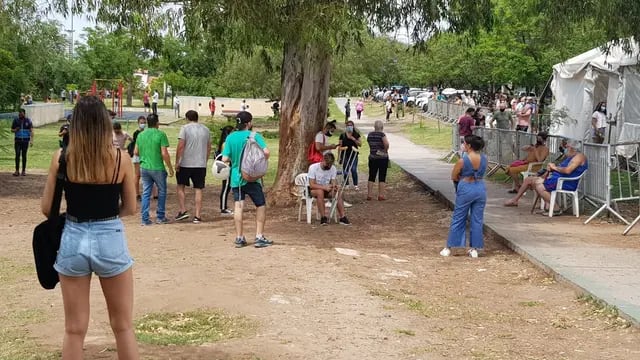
<point x="359" y="108"/>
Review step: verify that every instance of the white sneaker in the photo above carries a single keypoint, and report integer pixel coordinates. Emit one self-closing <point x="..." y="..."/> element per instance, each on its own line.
<point x="327" y="203"/>
<point x="356" y="188"/>
<point x="346" y="204"/>
<point x="445" y="252"/>
<point x="473" y="253"/>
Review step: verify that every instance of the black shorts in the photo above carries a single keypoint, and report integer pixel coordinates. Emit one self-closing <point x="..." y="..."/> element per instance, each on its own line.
<point x="196" y="175"/>
<point x="327" y="194"/>
<point x="147" y="105"/>
<point x="253" y="189"/>
<point x="522" y="128"/>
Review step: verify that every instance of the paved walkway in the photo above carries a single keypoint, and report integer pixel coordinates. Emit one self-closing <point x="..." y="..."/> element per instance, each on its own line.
<point x="561" y="245"/>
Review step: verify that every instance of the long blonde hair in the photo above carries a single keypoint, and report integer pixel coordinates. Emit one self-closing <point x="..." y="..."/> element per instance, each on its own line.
<point x="90" y="157"/>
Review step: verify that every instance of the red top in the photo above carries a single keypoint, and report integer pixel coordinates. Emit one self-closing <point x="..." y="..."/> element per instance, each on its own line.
<point x="212" y="105"/>
<point x="145" y="98"/>
<point x="465" y="124"/>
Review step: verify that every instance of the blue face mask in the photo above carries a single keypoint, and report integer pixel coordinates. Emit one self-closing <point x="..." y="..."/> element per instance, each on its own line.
<point x="349" y="128"/>
<point x="142" y="126"/>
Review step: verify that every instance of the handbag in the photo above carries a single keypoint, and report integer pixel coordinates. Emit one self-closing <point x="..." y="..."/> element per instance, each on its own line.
<point x="47" y="235"/>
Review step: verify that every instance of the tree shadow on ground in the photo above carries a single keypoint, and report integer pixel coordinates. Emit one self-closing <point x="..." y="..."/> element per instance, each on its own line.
<point x="30" y="186"/>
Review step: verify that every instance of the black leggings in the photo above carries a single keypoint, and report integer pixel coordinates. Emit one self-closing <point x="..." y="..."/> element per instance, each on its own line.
<point x="378" y="167"/>
<point x="21" y="149"/>
<point x="224" y="194"/>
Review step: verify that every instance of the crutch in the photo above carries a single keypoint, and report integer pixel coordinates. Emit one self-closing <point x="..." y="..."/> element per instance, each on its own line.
<point x="349" y="161"/>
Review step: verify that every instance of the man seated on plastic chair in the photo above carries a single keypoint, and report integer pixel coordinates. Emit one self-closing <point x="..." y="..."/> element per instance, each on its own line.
<point x="323" y="185"/>
<point x="573" y="165"/>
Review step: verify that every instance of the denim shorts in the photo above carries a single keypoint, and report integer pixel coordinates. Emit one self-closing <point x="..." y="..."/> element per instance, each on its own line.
<point x="253" y="189"/>
<point x="89" y="247"/>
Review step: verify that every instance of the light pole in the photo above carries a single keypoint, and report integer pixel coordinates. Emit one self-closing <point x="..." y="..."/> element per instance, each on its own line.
<point x="70" y="32"/>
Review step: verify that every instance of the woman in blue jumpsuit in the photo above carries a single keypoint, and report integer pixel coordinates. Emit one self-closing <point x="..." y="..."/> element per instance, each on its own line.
<point x="471" y="198"/>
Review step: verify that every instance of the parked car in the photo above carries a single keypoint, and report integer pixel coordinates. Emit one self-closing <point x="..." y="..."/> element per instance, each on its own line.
<point x="423" y="99"/>
<point x="413" y="94"/>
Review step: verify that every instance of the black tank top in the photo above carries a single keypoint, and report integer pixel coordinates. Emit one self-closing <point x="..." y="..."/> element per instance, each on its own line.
<point x="94" y="201"/>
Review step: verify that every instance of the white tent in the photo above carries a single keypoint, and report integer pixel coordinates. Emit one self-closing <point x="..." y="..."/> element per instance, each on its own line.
<point x="583" y="81"/>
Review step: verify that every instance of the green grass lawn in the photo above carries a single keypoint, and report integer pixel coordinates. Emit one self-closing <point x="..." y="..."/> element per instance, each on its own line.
<point x="374" y="109"/>
<point x="429" y="133"/>
<point x="334" y="111"/>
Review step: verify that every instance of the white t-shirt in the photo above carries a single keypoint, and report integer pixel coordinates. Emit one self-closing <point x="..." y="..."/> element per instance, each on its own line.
<point x="321" y="176"/>
<point x="387" y="105"/>
<point x="324" y="140"/>
<point x="244" y="106"/>
<point x="154" y="98"/>
<point x="601" y="119"/>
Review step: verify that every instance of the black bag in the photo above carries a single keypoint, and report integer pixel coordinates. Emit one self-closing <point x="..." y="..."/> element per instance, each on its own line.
<point x="131" y="147"/>
<point x="47" y="235"/>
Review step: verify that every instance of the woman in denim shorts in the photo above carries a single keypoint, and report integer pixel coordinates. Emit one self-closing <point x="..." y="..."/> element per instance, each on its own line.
<point x="99" y="188"/>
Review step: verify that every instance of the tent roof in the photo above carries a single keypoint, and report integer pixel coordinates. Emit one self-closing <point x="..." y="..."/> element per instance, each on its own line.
<point x="598" y="59"/>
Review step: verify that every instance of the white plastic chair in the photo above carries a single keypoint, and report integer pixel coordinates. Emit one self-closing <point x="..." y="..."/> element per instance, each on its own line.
<point x="564" y="193"/>
<point x="302" y="183"/>
<point x="532" y="169"/>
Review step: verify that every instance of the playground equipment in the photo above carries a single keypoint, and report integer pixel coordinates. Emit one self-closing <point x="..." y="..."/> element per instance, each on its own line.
<point x="111" y="88"/>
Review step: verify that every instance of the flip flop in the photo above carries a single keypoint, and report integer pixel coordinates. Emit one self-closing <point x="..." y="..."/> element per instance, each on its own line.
<point x="512" y="191"/>
<point x="510" y="204"/>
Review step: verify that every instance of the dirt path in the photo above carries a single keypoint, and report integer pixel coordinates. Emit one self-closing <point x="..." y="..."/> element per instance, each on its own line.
<point x="397" y="299"/>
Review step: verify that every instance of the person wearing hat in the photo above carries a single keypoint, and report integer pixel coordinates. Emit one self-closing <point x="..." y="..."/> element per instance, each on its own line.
<point x="232" y="152"/>
<point x="537" y="152"/>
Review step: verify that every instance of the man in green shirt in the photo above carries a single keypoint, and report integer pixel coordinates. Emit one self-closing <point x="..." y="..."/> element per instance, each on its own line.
<point x="232" y="152"/>
<point x="503" y="117"/>
<point x="152" y="147"/>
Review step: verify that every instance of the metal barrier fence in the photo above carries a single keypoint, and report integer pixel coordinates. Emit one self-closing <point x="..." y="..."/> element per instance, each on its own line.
<point x="612" y="178"/>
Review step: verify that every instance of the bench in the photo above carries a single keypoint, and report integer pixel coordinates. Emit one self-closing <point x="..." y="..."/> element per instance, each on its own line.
<point x="230" y="114"/>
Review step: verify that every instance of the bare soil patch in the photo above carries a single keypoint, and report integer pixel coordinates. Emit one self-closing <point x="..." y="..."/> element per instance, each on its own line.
<point x="396" y="299"/>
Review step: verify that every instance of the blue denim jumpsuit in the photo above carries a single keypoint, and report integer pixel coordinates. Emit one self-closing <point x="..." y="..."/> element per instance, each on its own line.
<point x="471" y="198"/>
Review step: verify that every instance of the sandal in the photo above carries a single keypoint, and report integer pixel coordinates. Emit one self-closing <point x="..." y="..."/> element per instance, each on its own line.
<point x="368" y="198"/>
<point x="512" y="191"/>
<point x="510" y="204"/>
<point x="381" y="198"/>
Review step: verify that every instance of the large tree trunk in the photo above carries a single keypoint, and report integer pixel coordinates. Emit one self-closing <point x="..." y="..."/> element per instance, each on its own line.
<point x="305" y="92"/>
